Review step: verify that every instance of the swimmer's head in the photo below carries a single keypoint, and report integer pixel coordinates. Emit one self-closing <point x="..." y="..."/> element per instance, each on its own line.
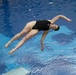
<point x="55" y="27"/>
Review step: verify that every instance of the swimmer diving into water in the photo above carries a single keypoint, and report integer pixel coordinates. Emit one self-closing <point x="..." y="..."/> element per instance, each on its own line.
<point x="33" y="27"/>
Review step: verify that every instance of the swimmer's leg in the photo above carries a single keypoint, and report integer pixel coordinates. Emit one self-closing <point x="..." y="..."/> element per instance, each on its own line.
<point x="17" y="36"/>
<point x="28" y="36"/>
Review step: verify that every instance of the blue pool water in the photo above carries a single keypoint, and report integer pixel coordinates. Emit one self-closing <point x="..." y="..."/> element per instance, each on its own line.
<point x="59" y="55"/>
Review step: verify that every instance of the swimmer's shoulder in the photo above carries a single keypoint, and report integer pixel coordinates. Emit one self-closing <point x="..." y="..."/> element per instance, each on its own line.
<point x="49" y="20"/>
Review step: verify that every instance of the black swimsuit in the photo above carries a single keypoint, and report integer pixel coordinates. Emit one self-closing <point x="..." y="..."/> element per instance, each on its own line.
<point x="42" y="25"/>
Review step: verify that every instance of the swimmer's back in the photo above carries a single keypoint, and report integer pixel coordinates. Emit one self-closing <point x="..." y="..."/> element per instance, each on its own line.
<point x="42" y="25"/>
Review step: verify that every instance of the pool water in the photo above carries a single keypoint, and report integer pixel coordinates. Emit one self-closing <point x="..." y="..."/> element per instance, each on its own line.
<point x="59" y="55"/>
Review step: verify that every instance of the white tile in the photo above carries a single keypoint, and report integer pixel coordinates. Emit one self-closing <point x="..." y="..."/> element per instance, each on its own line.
<point x="18" y="71"/>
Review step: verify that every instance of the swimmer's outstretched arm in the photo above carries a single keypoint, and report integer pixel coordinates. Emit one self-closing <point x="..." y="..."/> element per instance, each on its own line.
<point x="42" y="39"/>
<point x="58" y="17"/>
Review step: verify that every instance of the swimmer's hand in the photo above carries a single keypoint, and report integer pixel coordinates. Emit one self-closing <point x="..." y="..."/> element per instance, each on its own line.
<point x="69" y="20"/>
<point x="42" y="49"/>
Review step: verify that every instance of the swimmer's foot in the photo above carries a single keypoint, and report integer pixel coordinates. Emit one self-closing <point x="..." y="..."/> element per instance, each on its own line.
<point x="7" y="44"/>
<point x="11" y="52"/>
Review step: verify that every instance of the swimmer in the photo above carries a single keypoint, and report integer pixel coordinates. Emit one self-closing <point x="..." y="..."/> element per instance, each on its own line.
<point x="33" y="27"/>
